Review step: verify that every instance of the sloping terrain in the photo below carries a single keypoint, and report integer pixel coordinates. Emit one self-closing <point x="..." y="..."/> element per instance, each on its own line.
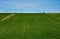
<point x="30" y="26"/>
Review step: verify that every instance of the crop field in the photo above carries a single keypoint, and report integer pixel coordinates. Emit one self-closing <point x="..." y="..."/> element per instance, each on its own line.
<point x="29" y="26"/>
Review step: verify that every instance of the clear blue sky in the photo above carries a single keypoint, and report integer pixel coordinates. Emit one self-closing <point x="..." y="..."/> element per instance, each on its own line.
<point x="30" y="5"/>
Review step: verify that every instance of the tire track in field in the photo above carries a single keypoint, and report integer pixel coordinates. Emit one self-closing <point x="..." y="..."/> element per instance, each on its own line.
<point x="28" y="28"/>
<point x="25" y="31"/>
<point x="33" y="35"/>
<point x="25" y="28"/>
<point x="7" y="17"/>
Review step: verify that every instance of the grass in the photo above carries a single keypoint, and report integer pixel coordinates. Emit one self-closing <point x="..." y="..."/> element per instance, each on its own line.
<point x="30" y="26"/>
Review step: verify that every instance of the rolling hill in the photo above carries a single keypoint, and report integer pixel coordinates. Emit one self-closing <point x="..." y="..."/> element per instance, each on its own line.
<point x="30" y="26"/>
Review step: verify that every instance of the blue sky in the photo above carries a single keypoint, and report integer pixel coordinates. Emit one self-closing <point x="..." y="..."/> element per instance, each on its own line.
<point x="30" y="5"/>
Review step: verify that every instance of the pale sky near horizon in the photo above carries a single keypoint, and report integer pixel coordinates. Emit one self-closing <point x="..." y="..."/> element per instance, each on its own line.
<point x="30" y="5"/>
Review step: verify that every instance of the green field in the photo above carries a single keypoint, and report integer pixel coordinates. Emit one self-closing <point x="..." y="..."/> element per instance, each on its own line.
<point x="30" y="26"/>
